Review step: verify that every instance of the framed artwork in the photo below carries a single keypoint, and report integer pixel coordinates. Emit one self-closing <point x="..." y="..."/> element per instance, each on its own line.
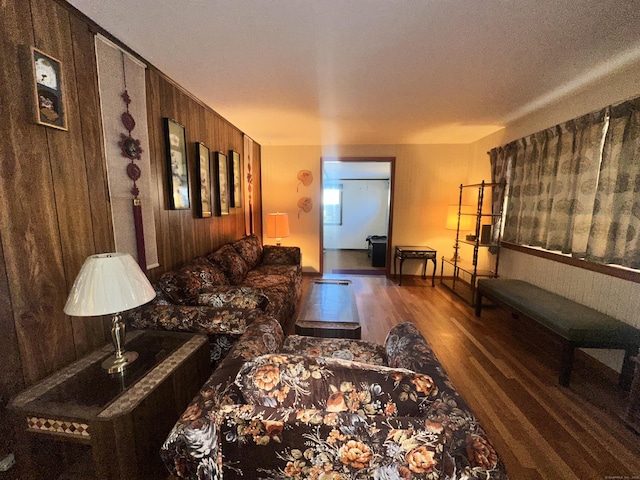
<point x="222" y="183"/>
<point x="235" y="179"/>
<point x="204" y="181"/>
<point x="177" y="167"/>
<point x="48" y="90"/>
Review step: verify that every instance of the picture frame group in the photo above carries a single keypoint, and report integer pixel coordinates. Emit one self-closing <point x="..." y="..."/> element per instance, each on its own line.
<point x="218" y="176"/>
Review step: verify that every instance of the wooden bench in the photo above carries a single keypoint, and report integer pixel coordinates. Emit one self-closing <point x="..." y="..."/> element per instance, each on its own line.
<point x="577" y="325"/>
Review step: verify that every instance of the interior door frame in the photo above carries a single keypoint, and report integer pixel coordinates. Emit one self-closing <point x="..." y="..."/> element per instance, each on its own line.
<point x="392" y="169"/>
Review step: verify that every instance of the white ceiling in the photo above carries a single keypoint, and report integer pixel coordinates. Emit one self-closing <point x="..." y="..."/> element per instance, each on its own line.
<point x="303" y="72"/>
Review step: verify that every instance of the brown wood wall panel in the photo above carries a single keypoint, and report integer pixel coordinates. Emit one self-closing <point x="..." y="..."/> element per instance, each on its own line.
<point x="181" y="234"/>
<point x="55" y="209"/>
<point x="66" y="152"/>
<point x="31" y="242"/>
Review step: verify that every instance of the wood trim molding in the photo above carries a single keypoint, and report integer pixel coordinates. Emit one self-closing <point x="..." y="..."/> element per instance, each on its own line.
<point x="622" y="273"/>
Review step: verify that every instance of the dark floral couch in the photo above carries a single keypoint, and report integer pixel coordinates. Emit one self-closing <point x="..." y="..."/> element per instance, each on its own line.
<point x="221" y="293"/>
<point x="311" y="408"/>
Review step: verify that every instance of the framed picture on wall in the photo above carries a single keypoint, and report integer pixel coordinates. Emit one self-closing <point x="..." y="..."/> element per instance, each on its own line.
<point x="177" y="166"/>
<point x="48" y="90"/>
<point x="222" y="183"/>
<point x="204" y="181"/>
<point x="235" y="179"/>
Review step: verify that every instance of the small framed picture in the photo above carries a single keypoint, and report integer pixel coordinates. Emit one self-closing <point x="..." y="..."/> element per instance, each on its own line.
<point x="48" y="90"/>
<point x="222" y="183"/>
<point x="235" y="179"/>
<point x="204" y="181"/>
<point x="177" y="167"/>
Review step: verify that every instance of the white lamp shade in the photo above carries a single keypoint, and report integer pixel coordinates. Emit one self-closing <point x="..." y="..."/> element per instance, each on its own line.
<point x="277" y="225"/>
<point x="108" y="283"/>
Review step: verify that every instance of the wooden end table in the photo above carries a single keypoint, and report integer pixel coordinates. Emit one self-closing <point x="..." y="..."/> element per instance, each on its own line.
<point x="425" y="254"/>
<point x="123" y="419"/>
<point x="329" y="310"/>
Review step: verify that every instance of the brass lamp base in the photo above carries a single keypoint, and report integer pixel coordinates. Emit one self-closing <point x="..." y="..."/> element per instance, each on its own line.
<point x="115" y="364"/>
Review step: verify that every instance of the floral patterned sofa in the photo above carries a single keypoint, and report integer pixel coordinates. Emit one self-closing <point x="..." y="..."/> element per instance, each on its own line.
<point x="311" y="408"/>
<point x="219" y="294"/>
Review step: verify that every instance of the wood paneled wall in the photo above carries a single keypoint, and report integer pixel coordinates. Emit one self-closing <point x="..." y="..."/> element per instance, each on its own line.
<point x="182" y="236"/>
<point x="54" y="199"/>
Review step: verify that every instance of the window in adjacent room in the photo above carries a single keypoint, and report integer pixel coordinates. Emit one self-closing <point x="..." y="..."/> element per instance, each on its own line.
<point x="332" y="203"/>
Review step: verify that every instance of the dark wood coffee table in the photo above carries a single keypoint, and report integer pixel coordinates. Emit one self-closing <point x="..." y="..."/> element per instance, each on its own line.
<point x="329" y="310"/>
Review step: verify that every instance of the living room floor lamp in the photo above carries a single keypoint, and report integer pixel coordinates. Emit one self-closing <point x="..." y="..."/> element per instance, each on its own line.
<point x="277" y="226"/>
<point x="109" y="284"/>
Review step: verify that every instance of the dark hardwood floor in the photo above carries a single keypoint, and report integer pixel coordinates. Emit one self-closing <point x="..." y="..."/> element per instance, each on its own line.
<point x="507" y="370"/>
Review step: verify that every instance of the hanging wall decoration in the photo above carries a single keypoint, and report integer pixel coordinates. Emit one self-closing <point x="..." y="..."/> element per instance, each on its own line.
<point x="49" y="98"/>
<point x="235" y="179"/>
<point x="204" y="180"/>
<point x="222" y="183"/>
<point x="175" y="140"/>
<point x="305" y="178"/>
<point x="248" y="185"/>
<point x="131" y="150"/>
<point x="305" y="204"/>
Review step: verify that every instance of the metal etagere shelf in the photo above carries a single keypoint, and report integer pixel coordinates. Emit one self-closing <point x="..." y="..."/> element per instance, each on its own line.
<point x="486" y="234"/>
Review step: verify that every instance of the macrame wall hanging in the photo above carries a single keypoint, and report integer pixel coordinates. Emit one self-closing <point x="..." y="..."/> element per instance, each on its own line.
<point x="130" y="149"/>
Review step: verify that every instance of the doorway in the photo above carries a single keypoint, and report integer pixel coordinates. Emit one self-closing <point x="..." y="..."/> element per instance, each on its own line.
<point x="357" y="215"/>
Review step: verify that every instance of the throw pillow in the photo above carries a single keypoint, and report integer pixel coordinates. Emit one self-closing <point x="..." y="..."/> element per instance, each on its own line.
<point x="250" y="249"/>
<point x="183" y="286"/>
<point x="334" y="385"/>
<point x="231" y="263"/>
<point x="241" y="297"/>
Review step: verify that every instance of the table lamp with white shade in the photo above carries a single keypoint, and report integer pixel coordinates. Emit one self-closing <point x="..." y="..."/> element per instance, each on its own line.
<point x="109" y="284"/>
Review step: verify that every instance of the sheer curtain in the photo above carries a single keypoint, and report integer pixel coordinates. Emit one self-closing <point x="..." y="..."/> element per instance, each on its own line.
<point x="615" y="231"/>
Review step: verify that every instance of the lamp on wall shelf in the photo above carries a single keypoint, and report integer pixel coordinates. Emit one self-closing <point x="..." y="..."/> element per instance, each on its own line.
<point x="463" y="214"/>
<point x="109" y="284"/>
<point x="277" y="226"/>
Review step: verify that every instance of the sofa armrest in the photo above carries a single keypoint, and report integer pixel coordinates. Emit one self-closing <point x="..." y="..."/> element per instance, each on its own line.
<point x="198" y="319"/>
<point x="279" y="255"/>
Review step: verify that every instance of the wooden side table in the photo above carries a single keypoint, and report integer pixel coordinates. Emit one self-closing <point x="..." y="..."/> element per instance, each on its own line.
<point x="122" y="418"/>
<point x="425" y="254"/>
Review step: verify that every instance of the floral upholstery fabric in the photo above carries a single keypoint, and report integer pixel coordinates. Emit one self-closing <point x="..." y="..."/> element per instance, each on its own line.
<point x="183" y="286"/>
<point x="211" y="305"/>
<point x="239" y="297"/>
<point x="231" y="263"/>
<point x="281" y="292"/>
<point x="335" y="385"/>
<point x="250" y="249"/>
<point x="344" y="348"/>
<point x="316" y="444"/>
<point x="347" y="436"/>
<point x="279" y="255"/>
<point x="198" y="319"/>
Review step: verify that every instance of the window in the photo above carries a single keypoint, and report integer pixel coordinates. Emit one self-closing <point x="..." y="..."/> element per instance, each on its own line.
<point x="332" y="203"/>
<point x="574" y="187"/>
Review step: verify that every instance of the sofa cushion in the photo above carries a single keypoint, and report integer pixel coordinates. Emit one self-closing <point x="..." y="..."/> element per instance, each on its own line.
<point x="182" y="286"/>
<point x="231" y="263"/>
<point x="316" y="444"/>
<point x="344" y="348"/>
<point x="295" y="381"/>
<point x="232" y="296"/>
<point x="250" y="249"/>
